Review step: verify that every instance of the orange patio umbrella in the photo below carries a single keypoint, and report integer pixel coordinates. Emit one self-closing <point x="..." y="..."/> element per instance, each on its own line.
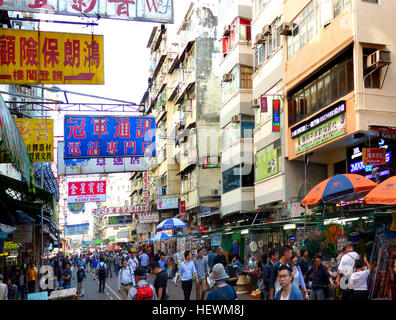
<point x="341" y="187"/>
<point x="384" y="193"/>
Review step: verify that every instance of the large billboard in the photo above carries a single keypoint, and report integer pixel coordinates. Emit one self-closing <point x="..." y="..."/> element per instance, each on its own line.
<point x="98" y="165"/>
<point x="38" y="135"/>
<point x="33" y="57"/>
<point x="167" y="203"/>
<point x="103" y="137"/>
<point x="76" y="229"/>
<point x="87" y="191"/>
<point x="137" y="10"/>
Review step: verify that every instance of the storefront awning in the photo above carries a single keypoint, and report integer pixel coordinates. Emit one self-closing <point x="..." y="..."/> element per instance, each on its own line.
<point x="7" y="229"/>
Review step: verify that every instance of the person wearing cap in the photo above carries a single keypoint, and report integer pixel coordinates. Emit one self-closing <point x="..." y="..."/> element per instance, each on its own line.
<point x="140" y="280"/>
<point x="221" y="290"/>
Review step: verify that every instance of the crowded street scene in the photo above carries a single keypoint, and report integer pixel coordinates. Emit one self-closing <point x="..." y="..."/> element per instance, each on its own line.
<point x="198" y="150"/>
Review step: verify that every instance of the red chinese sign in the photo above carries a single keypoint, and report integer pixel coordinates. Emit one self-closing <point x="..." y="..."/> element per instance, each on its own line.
<point x="374" y="156"/>
<point x="87" y="191"/>
<point x="34" y="57"/>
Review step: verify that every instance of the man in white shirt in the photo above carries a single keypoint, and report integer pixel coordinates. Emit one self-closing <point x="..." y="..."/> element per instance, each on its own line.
<point x="3" y="289"/>
<point x="186" y="272"/>
<point x="132" y="264"/>
<point x="126" y="280"/>
<point x="359" y="280"/>
<point x="345" y="270"/>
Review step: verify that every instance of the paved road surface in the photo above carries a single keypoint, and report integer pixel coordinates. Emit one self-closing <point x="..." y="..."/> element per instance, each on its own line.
<point x="111" y="292"/>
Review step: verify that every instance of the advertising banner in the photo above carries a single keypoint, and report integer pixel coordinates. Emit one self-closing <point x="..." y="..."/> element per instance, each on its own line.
<point x="103" y="137"/>
<point x="215" y="240"/>
<point x="76" y="208"/>
<point x="38" y="135"/>
<point x="374" y="156"/>
<point x="267" y="163"/>
<point x="167" y="203"/>
<point x="98" y="165"/>
<point x="138" y="10"/>
<point x="119" y="220"/>
<point x="119" y="210"/>
<point x="148" y="217"/>
<point x="325" y="132"/>
<point x="33" y="57"/>
<point x="87" y="191"/>
<point x="76" y="229"/>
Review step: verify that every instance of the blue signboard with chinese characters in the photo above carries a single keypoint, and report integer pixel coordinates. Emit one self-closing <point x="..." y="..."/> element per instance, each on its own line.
<point x="101" y="137"/>
<point x="275" y="115"/>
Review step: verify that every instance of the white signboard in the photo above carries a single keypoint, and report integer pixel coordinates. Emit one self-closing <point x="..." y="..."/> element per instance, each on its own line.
<point x="23" y="233"/>
<point x="98" y="165"/>
<point x="148" y="217"/>
<point x="167" y="203"/>
<point x="137" y="10"/>
<point x="76" y="229"/>
<point x="143" y="228"/>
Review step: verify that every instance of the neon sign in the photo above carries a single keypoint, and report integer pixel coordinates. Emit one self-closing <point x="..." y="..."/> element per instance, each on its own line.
<point x="359" y="166"/>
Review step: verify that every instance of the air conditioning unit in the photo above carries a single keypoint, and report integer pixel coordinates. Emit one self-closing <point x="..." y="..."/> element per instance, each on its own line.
<point x="236" y="118"/>
<point x="286" y="29"/>
<point x="227" y="77"/>
<point x="260" y="38"/>
<point x="379" y="58"/>
<point x="215" y="192"/>
<point x="266" y="30"/>
<point x="254" y="103"/>
<point x="227" y="30"/>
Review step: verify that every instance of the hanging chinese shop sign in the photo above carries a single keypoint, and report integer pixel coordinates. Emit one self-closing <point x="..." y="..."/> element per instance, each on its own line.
<point x="12" y="147"/>
<point x="325" y="132"/>
<point x="374" y="156"/>
<point x="103" y="137"/>
<point x="87" y="191"/>
<point x="119" y="210"/>
<point x="148" y="217"/>
<point x="98" y="165"/>
<point x="146" y="193"/>
<point x="275" y="115"/>
<point x="137" y="10"/>
<point x="38" y="135"/>
<point x="35" y="57"/>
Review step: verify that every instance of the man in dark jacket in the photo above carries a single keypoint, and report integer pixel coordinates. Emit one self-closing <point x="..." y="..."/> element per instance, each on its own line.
<point x="80" y="280"/>
<point x="220" y="258"/>
<point x="320" y="279"/>
<point x="22" y="283"/>
<point x="267" y="271"/>
<point x="303" y="261"/>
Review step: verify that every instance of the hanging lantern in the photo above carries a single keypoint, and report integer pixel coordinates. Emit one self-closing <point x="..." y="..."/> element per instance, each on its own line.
<point x="393" y="226"/>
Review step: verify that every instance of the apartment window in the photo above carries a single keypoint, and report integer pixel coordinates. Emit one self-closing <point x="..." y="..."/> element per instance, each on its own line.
<point x="235" y="131"/>
<point x="372" y="79"/>
<point x="240" y="29"/>
<point x="316" y="15"/>
<point x="271" y="44"/>
<point x="259" y="4"/>
<point x="241" y="79"/>
<point x="240" y="175"/>
<point x="328" y="87"/>
<point x="372" y="1"/>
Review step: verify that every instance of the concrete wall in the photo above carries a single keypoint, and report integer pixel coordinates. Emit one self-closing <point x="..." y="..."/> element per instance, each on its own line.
<point x="238" y="104"/>
<point x="241" y="199"/>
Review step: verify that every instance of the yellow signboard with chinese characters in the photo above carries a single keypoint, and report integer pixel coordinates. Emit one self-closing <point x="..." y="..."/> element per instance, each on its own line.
<point x="35" y="57"/>
<point x="38" y="135"/>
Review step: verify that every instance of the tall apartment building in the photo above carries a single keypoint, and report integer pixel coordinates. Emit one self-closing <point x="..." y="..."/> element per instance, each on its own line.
<point x="236" y="117"/>
<point x="340" y="83"/>
<point x="183" y="96"/>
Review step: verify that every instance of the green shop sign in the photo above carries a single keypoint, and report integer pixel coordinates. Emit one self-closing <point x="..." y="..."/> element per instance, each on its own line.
<point x="327" y="131"/>
<point x="267" y="163"/>
<point x="100" y="241"/>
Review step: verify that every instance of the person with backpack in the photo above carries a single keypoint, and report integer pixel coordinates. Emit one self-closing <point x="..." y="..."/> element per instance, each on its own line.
<point x="221" y="290"/>
<point x="142" y="290"/>
<point x="102" y="271"/>
<point x="126" y="280"/>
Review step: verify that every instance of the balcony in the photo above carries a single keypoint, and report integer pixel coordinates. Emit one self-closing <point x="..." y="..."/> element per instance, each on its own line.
<point x="241" y="53"/>
<point x="270" y="190"/>
<point x="238" y="200"/>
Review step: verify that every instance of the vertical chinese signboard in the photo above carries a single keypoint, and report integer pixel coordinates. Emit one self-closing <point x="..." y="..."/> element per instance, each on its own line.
<point x="35" y="57"/>
<point x="101" y="137"/>
<point x="138" y="10"/>
<point x="38" y="135"/>
<point x="275" y="115"/>
<point x="146" y="193"/>
<point x="89" y="191"/>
